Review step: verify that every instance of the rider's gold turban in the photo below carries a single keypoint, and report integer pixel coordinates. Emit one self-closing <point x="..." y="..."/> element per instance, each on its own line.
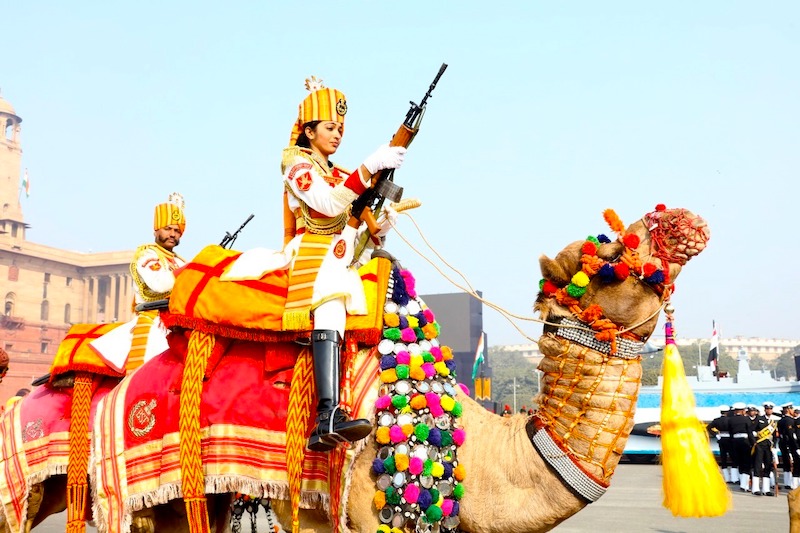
<point x="170" y="212"/>
<point x="322" y="104"/>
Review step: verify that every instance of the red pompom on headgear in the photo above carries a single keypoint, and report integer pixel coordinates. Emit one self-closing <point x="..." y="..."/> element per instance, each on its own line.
<point x="589" y="248"/>
<point x="621" y="270"/>
<point x="549" y="288"/>
<point x="661" y="207"/>
<point x="649" y="269"/>
<point x="631" y="240"/>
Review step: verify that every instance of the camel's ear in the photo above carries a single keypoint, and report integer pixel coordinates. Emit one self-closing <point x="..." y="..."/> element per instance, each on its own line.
<point x="566" y="263"/>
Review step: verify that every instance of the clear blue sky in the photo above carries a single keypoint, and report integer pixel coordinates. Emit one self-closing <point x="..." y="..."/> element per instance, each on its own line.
<point x="548" y="113"/>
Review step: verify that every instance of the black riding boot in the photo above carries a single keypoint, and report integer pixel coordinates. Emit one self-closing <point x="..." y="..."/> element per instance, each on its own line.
<point x="333" y="425"/>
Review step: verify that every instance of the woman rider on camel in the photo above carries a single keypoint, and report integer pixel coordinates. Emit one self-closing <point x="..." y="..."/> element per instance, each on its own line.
<point x="318" y="194"/>
<point x="319" y="246"/>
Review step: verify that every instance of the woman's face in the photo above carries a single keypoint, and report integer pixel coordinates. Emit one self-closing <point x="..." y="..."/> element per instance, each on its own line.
<point x="325" y="137"/>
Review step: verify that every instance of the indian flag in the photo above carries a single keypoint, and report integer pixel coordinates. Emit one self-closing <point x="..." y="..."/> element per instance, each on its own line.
<point x="478" y="357"/>
<point x="26" y="184"/>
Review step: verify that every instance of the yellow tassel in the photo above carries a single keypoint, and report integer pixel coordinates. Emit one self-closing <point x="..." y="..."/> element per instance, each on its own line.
<point x="297" y="320"/>
<point x="693" y="485"/>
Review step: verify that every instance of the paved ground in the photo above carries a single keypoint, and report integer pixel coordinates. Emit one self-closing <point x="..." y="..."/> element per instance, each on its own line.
<point x="633" y="505"/>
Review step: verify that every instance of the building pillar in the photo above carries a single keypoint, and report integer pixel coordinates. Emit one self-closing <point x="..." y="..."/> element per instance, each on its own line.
<point x="108" y="310"/>
<point x="84" y="314"/>
<point x="116" y="297"/>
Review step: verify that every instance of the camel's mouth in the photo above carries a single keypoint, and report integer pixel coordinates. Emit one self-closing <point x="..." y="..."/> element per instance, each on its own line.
<point x="677" y="235"/>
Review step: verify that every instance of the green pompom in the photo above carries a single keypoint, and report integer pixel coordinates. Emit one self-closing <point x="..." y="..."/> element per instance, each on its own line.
<point x="592" y="238"/>
<point x="575" y="291"/>
<point x="428" y="357"/>
<point x="402" y="371"/>
<point x="420" y="333"/>
<point x="434" y="495"/>
<point x="422" y="431"/>
<point x="427" y="468"/>
<point x="392" y="497"/>
<point x="447" y="439"/>
<point x="399" y="401"/>
<point x="433" y="513"/>
<point x="457" y="410"/>
<point x="389" y="465"/>
<point x="458" y="491"/>
<point x="392" y="334"/>
<point x="541" y="283"/>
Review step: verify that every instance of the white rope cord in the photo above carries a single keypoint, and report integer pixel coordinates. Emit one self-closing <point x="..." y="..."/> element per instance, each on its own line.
<point x="508" y="315"/>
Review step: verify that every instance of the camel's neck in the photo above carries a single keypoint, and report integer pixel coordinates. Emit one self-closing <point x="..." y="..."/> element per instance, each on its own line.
<point x="586" y="406"/>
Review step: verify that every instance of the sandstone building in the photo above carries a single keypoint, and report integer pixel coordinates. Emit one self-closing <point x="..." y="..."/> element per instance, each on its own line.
<point x="43" y="289"/>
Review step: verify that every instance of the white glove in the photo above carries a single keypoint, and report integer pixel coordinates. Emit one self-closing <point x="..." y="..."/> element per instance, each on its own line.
<point x="385" y="157"/>
<point x="386" y="220"/>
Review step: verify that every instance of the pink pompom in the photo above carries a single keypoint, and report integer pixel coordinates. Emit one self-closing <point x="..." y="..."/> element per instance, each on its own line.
<point x="415" y="466"/>
<point x="434" y="404"/>
<point x="396" y="434"/>
<point x="429" y="370"/>
<point x="429" y="315"/>
<point x="447" y="507"/>
<point x="464" y="388"/>
<point x="403" y="357"/>
<point x="411" y="494"/>
<point x="458" y="436"/>
<point x="408" y="335"/>
<point x="383" y="402"/>
<point x="436" y="352"/>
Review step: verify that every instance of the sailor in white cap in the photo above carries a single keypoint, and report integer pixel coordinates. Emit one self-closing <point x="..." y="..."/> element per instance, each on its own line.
<point x="741" y="442"/>
<point x="761" y="452"/>
<point x="772" y="418"/>
<point x="719" y="428"/>
<point x="790" y="462"/>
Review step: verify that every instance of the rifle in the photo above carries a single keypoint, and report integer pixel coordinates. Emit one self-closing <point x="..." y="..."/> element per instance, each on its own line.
<point x="371" y="200"/>
<point x="227" y="240"/>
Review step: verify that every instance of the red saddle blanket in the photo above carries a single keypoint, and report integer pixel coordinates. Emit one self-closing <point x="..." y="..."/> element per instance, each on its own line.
<point x="243" y="421"/>
<point x="34" y="435"/>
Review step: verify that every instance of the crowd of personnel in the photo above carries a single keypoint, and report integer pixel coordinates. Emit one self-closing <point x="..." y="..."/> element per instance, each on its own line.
<point x="754" y="444"/>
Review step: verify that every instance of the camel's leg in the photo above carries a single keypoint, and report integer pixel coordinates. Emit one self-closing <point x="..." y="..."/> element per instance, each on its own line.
<point x="311" y="521"/>
<point x="35" y="497"/>
<point x="142" y="522"/>
<point x="794" y="511"/>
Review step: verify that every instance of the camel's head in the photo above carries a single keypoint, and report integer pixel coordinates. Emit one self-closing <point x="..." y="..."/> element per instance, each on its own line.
<point x="620" y="285"/>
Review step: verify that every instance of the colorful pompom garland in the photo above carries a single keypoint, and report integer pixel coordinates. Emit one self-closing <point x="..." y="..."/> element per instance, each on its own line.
<point x="628" y="264"/>
<point x="418" y="473"/>
<point x="607" y="272"/>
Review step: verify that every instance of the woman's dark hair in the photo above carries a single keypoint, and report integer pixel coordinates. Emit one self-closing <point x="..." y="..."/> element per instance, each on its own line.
<point x="302" y="140"/>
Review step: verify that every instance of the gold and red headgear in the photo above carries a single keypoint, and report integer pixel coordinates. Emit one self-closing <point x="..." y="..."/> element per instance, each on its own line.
<point x="322" y="104"/>
<point x="170" y="212"/>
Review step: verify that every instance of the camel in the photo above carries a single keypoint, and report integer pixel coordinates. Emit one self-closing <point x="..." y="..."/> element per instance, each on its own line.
<point x="546" y="467"/>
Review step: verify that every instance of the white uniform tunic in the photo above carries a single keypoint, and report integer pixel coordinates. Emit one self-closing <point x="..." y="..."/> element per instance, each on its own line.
<point x="320" y="197"/>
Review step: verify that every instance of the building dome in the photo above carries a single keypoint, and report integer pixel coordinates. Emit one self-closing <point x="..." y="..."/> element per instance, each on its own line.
<point x="6" y="107"/>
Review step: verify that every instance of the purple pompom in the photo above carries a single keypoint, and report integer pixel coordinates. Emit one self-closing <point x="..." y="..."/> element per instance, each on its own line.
<point x="378" y="466"/>
<point x="435" y="437"/>
<point x="425" y="499"/>
<point x="603" y="239"/>
<point x="606" y="273"/>
<point x="387" y="362"/>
